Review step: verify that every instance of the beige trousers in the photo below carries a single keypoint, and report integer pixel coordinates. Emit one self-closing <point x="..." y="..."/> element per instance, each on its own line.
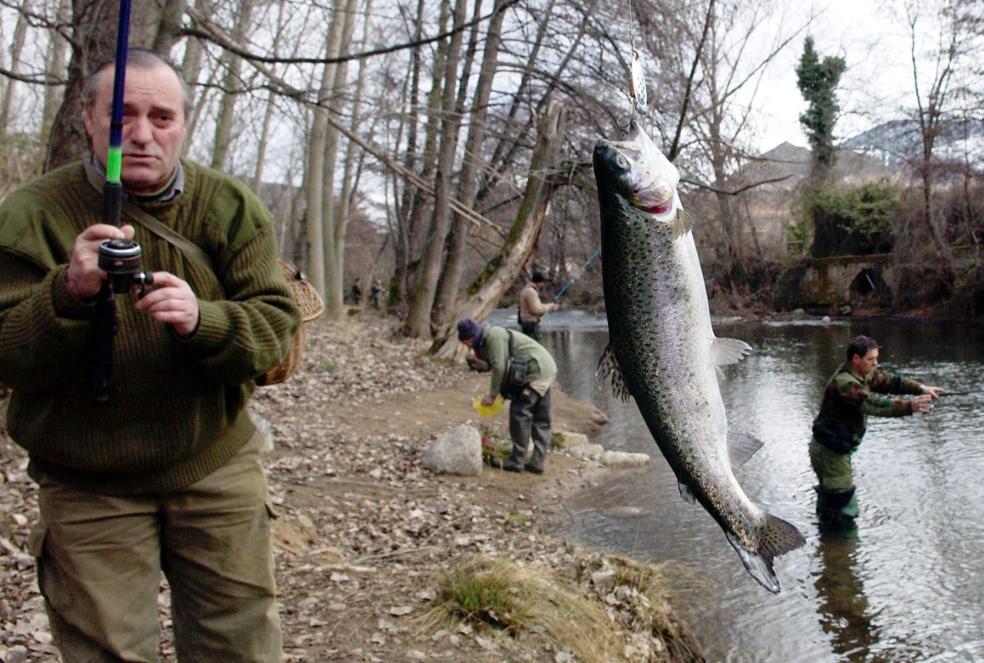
<point x="100" y="560"/>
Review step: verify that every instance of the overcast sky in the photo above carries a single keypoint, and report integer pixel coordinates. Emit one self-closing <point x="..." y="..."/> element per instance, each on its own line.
<point x="878" y="80"/>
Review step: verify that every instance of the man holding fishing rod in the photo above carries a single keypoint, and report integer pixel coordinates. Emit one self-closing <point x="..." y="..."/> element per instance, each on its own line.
<point x="854" y="392"/>
<point x="531" y="309"/>
<point x="163" y="472"/>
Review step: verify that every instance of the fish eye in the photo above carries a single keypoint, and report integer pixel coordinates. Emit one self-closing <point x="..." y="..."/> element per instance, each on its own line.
<point x="621" y="162"/>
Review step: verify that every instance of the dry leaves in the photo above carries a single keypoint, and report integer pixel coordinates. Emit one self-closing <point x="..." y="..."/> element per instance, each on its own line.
<point x="363" y="531"/>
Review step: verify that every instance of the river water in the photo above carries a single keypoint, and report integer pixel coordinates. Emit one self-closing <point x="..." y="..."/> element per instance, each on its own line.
<point x="907" y="585"/>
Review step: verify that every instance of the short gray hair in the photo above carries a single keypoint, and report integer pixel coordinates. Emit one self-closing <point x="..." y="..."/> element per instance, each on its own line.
<point x="139" y="58"/>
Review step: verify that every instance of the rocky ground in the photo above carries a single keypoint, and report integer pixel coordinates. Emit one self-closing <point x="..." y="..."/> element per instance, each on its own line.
<point x="366" y="537"/>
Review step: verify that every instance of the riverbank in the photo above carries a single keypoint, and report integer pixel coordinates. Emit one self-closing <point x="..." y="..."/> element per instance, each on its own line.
<point x="372" y="548"/>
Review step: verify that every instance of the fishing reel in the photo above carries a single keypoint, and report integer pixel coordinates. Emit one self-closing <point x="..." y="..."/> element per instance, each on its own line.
<point x="120" y="259"/>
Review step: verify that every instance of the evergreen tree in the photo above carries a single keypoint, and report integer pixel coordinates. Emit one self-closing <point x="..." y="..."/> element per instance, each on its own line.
<point x="817" y="81"/>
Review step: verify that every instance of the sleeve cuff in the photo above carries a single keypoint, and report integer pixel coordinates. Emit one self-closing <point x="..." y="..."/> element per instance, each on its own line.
<point x="66" y="304"/>
<point x="212" y="326"/>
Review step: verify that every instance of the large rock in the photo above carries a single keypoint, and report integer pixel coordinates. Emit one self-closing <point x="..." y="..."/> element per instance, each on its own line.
<point x="591" y="451"/>
<point x="458" y="451"/>
<point x="622" y="458"/>
<point x="565" y="440"/>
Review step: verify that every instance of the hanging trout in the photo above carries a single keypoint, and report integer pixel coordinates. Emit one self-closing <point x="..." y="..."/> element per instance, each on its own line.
<point x="663" y="352"/>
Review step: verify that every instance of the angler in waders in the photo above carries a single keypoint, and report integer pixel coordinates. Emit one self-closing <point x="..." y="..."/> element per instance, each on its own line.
<point x="522" y="371"/>
<point x="531" y="309"/>
<point x="854" y="392"/>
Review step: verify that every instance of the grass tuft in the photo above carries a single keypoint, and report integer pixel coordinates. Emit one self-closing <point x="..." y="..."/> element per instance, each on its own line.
<point x="507" y="596"/>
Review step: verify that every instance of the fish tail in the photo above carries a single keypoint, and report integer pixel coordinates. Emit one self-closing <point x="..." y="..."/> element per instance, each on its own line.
<point x="778" y="538"/>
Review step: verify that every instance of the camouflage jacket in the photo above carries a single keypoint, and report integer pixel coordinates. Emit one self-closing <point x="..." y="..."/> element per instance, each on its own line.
<point x="847" y="402"/>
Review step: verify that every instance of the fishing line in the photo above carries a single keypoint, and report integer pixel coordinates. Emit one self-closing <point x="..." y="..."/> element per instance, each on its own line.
<point x="637" y="75"/>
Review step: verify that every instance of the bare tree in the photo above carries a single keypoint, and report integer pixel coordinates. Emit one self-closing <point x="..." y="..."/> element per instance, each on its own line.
<point x="333" y="235"/>
<point x="425" y="288"/>
<point x="501" y="272"/>
<point x="55" y="69"/>
<point x="934" y="96"/>
<point x="16" y="46"/>
<point x="232" y="64"/>
<point x="454" y="268"/>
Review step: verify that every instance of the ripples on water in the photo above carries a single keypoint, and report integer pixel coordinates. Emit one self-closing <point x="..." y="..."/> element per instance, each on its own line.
<point x="908" y="587"/>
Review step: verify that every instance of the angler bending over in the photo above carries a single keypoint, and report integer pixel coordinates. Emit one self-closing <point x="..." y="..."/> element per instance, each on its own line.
<point x="500" y="349"/>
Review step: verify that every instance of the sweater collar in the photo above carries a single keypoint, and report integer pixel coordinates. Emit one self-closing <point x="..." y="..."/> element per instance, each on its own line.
<point x="96" y="174"/>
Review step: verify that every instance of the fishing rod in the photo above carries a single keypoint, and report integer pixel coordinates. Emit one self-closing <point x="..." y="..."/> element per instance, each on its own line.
<point x="119" y="258"/>
<point x="577" y="274"/>
<point x="969" y="392"/>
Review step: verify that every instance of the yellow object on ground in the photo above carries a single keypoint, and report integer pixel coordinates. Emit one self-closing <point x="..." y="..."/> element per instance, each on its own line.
<point x="487" y="410"/>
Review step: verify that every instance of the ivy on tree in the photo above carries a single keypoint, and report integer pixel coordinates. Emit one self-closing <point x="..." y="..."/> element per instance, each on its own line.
<point x="817" y="80"/>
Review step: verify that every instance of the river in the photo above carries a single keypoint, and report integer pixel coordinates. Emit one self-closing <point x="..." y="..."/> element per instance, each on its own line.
<point x="907" y="585"/>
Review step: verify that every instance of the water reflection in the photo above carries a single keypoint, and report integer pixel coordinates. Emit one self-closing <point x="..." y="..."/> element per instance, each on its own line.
<point x="843" y="608"/>
<point x="910" y="588"/>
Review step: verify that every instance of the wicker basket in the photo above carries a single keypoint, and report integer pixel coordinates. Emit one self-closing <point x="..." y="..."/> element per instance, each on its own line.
<point x="311" y="306"/>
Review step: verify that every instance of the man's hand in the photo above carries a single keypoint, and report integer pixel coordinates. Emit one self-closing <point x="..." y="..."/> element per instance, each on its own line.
<point x="488" y="400"/>
<point x="935" y="392"/>
<point x="922" y="403"/>
<point x="171" y="302"/>
<point x="83" y="278"/>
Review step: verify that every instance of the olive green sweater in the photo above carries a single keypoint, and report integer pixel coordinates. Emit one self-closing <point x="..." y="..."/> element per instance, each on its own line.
<point x="177" y="407"/>
<point x="494" y="349"/>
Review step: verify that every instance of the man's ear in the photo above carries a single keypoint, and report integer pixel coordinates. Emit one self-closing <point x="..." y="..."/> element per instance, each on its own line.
<point x="87" y="121"/>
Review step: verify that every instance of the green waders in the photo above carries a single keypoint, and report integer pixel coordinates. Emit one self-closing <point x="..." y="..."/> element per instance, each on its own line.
<point x="836" y="498"/>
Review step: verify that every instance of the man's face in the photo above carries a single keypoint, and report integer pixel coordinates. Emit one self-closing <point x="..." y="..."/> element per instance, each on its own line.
<point x="154" y="125"/>
<point x="867" y="364"/>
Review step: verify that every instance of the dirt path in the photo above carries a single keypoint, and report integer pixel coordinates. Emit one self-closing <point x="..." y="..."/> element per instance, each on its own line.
<point x="365" y="535"/>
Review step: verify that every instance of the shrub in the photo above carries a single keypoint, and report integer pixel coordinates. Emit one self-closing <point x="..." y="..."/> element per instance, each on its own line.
<point x="853" y="220"/>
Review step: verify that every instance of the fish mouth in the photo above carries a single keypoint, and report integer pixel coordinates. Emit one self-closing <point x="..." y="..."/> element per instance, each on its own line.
<point x="657" y="210"/>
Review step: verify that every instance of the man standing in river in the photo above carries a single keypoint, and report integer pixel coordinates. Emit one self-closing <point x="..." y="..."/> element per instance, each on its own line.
<point x="850" y="396"/>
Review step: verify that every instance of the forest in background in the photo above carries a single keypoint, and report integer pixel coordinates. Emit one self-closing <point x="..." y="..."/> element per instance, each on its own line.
<point x="443" y="146"/>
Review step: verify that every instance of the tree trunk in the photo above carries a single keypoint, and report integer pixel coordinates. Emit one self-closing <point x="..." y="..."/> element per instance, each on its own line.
<point x="315" y="171"/>
<point x="419" y="316"/>
<point x="261" y="147"/>
<point x="20" y="32"/>
<point x="334" y="288"/>
<point x="230" y="89"/>
<point x="56" y="70"/>
<point x="506" y="147"/>
<point x="501" y="272"/>
<point x="169" y="26"/>
<point x="454" y="269"/>
<point x="350" y="175"/>
<point x="415" y="198"/>
<point x="94" y="42"/>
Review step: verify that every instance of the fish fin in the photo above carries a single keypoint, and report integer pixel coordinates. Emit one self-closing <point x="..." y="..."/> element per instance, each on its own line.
<point x="609" y="370"/>
<point x="683" y="223"/>
<point x="779" y="537"/>
<point x="741" y="447"/>
<point x="727" y="351"/>
<point x="685" y="492"/>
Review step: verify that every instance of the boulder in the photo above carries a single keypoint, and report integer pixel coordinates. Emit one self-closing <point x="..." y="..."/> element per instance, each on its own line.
<point x="591" y="451"/>
<point x="565" y="440"/>
<point x="457" y="451"/>
<point x="623" y="458"/>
